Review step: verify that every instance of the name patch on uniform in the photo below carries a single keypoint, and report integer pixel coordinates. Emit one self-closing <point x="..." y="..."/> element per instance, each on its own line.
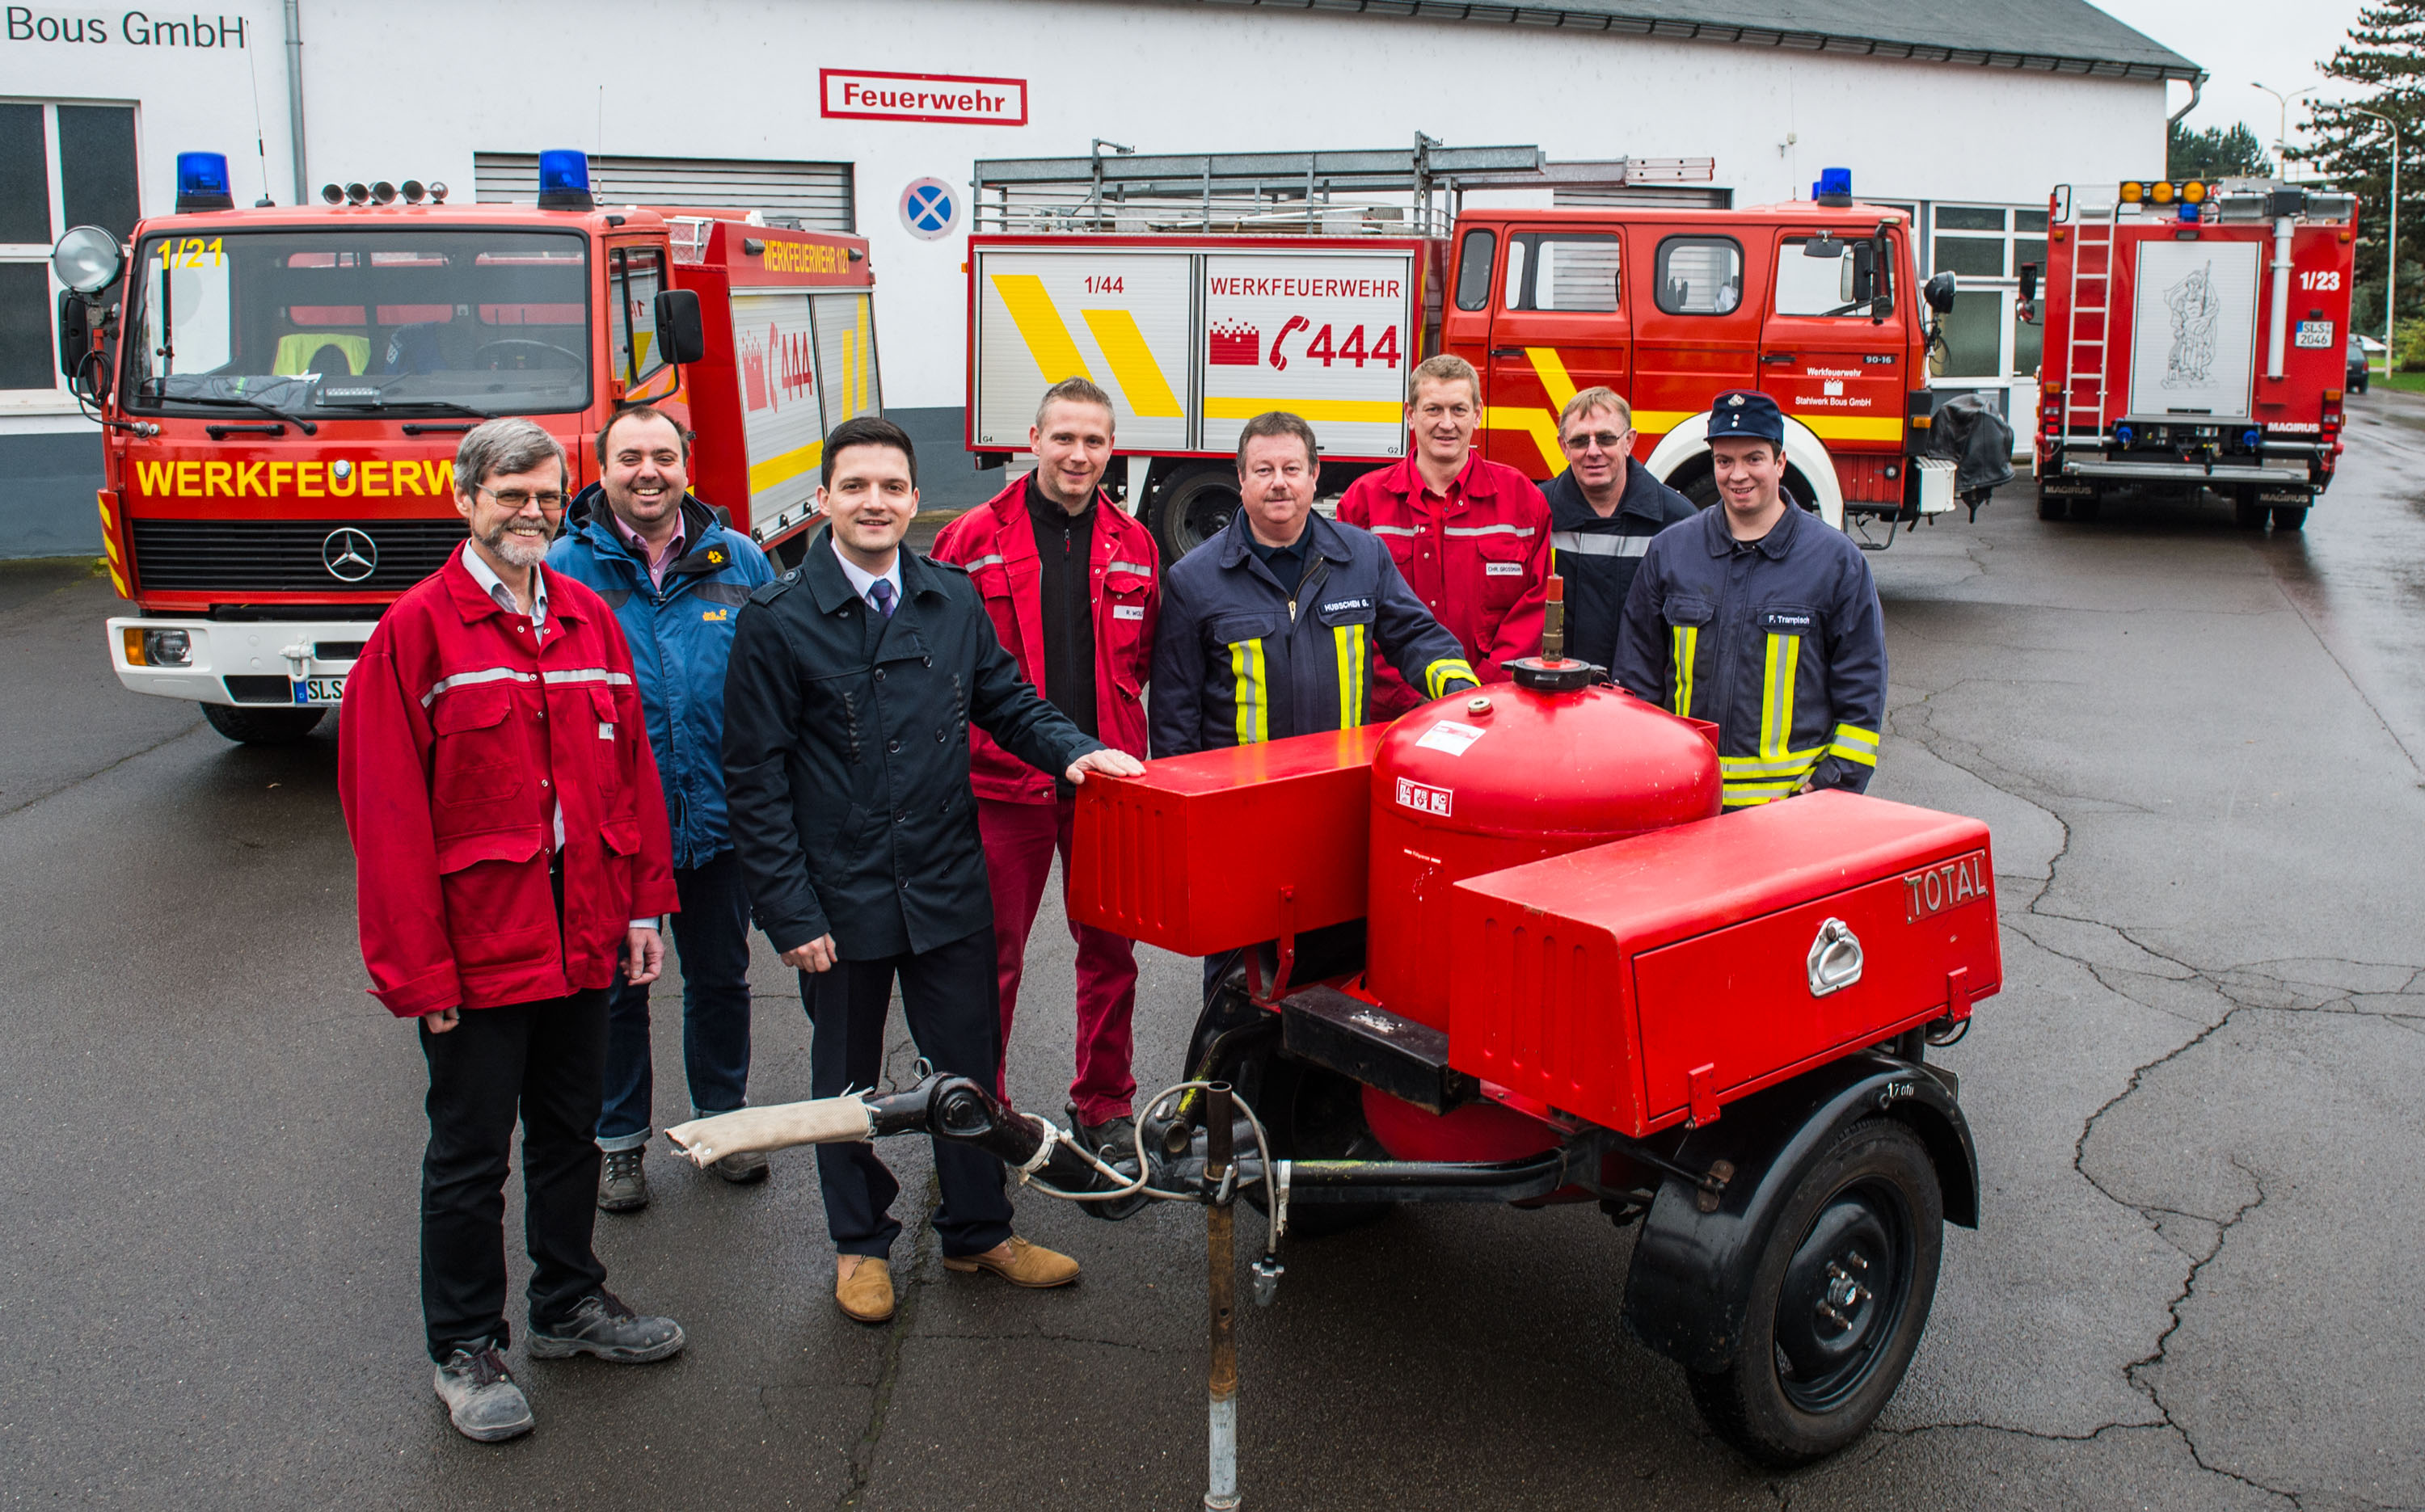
<point x="1786" y="621"/>
<point x="1422" y="798"/>
<point x="1502" y="569"/>
<point x="605" y="732"/>
<point x="1338" y="604"/>
<point x="1128" y="611"/>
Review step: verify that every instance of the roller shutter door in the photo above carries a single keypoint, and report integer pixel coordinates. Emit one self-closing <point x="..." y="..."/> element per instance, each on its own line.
<point x="811" y="195"/>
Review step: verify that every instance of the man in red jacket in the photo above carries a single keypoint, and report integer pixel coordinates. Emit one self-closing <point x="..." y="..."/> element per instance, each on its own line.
<point x="1470" y="537"/>
<point x="510" y="856"/>
<point x="1072" y="584"/>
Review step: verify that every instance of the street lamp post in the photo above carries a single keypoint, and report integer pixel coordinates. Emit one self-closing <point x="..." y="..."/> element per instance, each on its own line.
<point x="2282" y="131"/>
<point x="2391" y="250"/>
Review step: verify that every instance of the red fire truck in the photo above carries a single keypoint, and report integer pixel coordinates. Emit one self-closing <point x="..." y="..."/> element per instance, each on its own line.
<point x="2194" y="340"/>
<point x="1276" y="288"/>
<point x="284" y="390"/>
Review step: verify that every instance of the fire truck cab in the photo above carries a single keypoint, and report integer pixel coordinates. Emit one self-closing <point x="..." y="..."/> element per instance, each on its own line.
<point x="284" y="390"/>
<point x="2195" y="341"/>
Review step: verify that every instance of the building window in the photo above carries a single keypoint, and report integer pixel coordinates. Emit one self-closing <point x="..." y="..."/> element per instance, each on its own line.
<point x="86" y="177"/>
<point x="1984" y="247"/>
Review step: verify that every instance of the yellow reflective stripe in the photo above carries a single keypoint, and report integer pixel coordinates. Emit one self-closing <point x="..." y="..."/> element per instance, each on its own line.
<point x="1688" y="645"/>
<point x="1254" y="716"/>
<point x="1436" y="675"/>
<point x="1343" y="411"/>
<point x="1777" y="702"/>
<point x="1867" y="759"/>
<point x="1133" y="365"/>
<point x="1793" y="763"/>
<point x="1039" y="325"/>
<point x="1350" y="641"/>
<point x="785" y="466"/>
<point x="1854" y="735"/>
<point x="1743" y="795"/>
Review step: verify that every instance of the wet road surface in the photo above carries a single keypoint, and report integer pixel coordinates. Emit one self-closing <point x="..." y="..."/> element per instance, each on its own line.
<point x="2197" y="1106"/>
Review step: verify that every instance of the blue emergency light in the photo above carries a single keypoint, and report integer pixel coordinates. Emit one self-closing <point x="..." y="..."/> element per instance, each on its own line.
<point x="1835" y="187"/>
<point x="2189" y="212"/>
<point x="564" y="179"/>
<point x="202" y="182"/>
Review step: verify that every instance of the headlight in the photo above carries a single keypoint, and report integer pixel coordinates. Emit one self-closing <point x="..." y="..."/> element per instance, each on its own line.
<point x="167" y="648"/>
<point x="87" y="259"/>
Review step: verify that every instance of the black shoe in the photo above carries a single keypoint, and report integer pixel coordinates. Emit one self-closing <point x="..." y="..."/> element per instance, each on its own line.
<point x="1114" y="1141"/>
<point x="481" y="1396"/>
<point x="742" y="1167"/>
<point x="603" y="1326"/>
<point x="622" y="1185"/>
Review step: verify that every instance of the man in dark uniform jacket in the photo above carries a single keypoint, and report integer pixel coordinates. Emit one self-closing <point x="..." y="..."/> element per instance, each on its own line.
<point x="1603" y="511"/>
<point x="852" y="684"/>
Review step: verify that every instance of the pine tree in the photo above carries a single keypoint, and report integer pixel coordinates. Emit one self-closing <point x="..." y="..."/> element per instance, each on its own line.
<point x="2385" y="52"/>
<point x="2216" y="154"/>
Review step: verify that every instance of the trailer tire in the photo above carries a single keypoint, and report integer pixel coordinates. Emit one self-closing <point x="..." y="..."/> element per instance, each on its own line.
<point x="2290" y="516"/>
<point x="263" y="726"/>
<point x="1837" y="1302"/>
<point x="1193" y="507"/>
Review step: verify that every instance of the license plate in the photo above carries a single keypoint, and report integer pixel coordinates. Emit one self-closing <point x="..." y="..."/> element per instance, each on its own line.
<point x="319" y="690"/>
<point x="2314" y="333"/>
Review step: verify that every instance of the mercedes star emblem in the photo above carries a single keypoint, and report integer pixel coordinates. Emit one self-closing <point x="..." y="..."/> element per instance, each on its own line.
<point x="349" y="555"/>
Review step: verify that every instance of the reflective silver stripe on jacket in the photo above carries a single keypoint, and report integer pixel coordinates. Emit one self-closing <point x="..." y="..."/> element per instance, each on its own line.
<point x="1520" y="531"/>
<point x="1598" y="545"/>
<point x="1394" y="530"/>
<point x="612" y="679"/>
<point x="1121" y="566"/>
<point x="466" y="679"/>
<point x="994" y="561"/>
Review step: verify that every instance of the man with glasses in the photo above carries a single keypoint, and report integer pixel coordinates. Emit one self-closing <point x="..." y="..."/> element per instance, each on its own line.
<point x="511" y="858"/>
<point x="1603" y="511"/>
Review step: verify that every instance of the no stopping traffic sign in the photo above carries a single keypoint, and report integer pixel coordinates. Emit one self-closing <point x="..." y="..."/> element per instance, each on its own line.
<point x="929" y="209"/>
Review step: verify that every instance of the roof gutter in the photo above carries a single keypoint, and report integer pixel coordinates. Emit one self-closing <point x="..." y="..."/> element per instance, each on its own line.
<point x="2175" y="118"/>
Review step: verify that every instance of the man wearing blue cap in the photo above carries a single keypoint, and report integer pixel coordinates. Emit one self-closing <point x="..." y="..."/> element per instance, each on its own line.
<point x="1759" y="617"/>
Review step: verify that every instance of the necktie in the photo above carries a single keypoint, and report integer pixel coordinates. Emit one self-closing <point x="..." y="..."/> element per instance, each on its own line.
<point x="881" y="592"/>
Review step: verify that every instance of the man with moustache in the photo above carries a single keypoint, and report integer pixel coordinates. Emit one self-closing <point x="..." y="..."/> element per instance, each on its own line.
<point x="511" y="855"/>
<point x="676" y="579"/>
<point x="854" y="681"/>
<point x="1072" y="583"/>
<point x="1603" y="511"/>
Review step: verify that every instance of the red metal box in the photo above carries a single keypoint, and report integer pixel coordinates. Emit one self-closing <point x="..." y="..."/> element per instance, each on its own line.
<point x="1649" y="980"/>
<point x="1209" y="851"/>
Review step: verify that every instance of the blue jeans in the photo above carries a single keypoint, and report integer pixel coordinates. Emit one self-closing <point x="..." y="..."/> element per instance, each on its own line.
<point x="712" y="934"/>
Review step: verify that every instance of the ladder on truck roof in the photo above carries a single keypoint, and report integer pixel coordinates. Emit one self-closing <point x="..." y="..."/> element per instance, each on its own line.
<point x="1387" y="192"/>
<point x="2092" y="233"/>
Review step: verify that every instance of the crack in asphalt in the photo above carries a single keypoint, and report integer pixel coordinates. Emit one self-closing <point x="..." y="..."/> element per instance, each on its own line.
<point x="73" y="784"/>
<point x="2234" y="985"/>
<point x="897" y="1338"/>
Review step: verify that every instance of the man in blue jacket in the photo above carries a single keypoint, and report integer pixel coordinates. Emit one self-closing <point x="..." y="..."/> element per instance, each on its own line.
<point x="676" y="579"/>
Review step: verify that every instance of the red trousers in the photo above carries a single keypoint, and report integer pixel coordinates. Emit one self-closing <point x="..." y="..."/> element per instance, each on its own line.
<point x="1019" y="839"/>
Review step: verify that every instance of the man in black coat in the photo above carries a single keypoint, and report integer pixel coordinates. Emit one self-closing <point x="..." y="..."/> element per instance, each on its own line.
<point x="846" y="709"/>
<point x="1603" y="511"/>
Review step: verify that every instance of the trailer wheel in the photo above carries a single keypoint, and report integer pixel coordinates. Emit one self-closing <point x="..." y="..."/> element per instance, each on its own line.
<point x="1316" y="1114"/>
<point x="2248" y="515"/>
<point x="2290" y="516"/>
<point x="1838" y="1302"/>
<point x="1194" y="507"/>
<point x="263" y="726"/>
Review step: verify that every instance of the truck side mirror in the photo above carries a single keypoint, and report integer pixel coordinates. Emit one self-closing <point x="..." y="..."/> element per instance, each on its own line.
<point x="75" y="335"/>
<point x="2029" y="283"/>
<point x="1861" y="276"/>
<point x="679" y="329"/>
<point x="1938" y="292"/>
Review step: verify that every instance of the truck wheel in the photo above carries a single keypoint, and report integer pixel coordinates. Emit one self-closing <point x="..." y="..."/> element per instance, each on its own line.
<point x="2052" y="506"/>
<point x="1316" y="1114"/>
<point x="2290" y="516"/>
<point x="2248" y="515"/>
<point x="263" y="726"/>
<point x="1838" y="1302"/>
<point x="1194" y="507"/>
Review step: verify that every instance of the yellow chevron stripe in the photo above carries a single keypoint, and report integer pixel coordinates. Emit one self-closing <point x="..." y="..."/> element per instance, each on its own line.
<point x="1552" y="369"/>
<point x="1039" y="325"/>
<point x="1133" y="368"/>
<point x="1541" y="423"/>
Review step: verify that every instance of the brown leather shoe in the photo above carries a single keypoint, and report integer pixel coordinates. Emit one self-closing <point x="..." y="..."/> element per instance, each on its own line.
<point x="865" y="1291"/>
<point x="1018" y="1262"/>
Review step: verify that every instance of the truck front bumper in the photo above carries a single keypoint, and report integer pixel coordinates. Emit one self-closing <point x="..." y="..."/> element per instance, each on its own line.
<point x="271" y="662"/>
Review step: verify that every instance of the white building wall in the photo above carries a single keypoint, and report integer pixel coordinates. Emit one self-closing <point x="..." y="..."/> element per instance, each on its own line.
<point x="396" y="91"/>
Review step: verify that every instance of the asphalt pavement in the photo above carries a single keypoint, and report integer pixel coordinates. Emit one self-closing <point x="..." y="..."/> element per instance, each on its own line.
<point x="2197" y="1104"/>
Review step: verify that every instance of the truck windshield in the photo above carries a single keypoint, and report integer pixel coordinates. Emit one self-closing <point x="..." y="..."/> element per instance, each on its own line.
<point x="312" y="322"/>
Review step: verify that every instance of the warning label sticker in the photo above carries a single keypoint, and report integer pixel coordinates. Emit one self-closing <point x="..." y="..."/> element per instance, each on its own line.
<point x="1450" y="736"/>
<point x="1422" y="798"/>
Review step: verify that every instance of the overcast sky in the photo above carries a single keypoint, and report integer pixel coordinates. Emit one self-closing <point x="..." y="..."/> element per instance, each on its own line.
<point x="2244" y="43"/>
